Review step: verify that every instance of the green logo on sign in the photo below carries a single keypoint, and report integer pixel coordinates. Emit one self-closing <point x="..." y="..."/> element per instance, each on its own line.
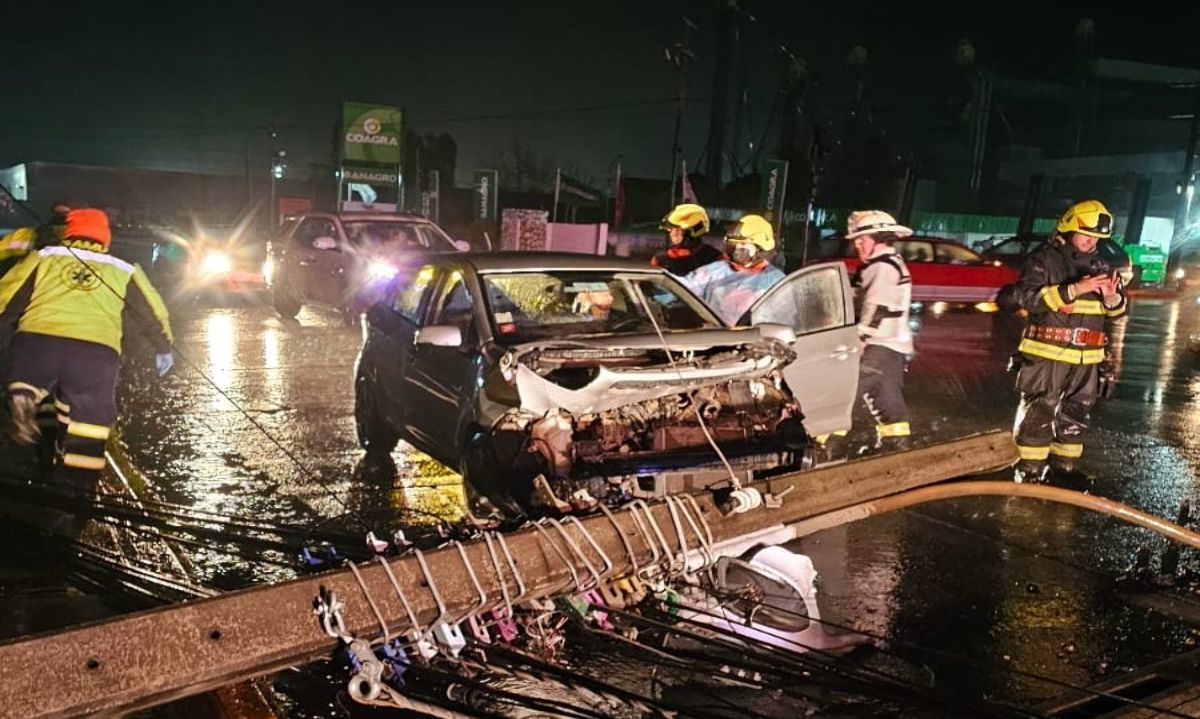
<point x="371" y="134"/>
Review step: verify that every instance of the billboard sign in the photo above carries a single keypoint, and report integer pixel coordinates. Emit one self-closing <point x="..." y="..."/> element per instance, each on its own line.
<point x="370" y="134"/>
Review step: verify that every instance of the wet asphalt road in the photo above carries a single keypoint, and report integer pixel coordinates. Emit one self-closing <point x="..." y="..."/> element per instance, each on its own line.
<point x="257" y="420"/>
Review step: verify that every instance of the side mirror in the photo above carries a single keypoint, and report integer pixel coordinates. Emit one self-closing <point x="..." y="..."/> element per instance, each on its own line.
<point x="461" y="245"/>
<point x="325" y="243"/>
<point x="440" y="336"/>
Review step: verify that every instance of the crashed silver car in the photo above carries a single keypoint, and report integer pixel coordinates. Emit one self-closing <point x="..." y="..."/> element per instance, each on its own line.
<point x="549" y="380"/>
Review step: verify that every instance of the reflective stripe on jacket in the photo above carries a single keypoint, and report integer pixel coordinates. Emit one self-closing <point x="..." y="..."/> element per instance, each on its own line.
<point x="80" y="292"/>
<point x="1044" y="290"/>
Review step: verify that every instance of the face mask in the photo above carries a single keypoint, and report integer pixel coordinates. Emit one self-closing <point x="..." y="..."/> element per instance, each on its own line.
<point x="742" y="253"/>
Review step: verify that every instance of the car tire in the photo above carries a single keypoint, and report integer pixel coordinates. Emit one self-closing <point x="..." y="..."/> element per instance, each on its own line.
<point x="375" y="435"/>
<point x="477" y="455"/>
<point x="285" y="302"/>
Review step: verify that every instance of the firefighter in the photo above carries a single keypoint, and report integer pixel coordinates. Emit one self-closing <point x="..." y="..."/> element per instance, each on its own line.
<point x="884" y="333"/>
<point x="68" y="303"/>
<point x="731" y="284"/>
<point x="14" y="246"/>
<point x="1069" y="293"/>
<point x="685" y="251"/>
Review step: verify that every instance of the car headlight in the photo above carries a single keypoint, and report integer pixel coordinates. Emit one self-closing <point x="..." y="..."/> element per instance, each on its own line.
<point x="379" y="270"/>
<point x="215" y="262"/>
<point x="1180" y="273"/>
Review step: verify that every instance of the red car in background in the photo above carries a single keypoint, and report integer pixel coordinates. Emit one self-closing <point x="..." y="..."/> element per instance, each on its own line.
<point x="945" y="271"/>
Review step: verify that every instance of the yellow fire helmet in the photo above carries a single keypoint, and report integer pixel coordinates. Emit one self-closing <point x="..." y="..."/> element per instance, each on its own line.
<point x="1089" y="217"/>
<point x="690" y="217"/>
<point x="754" y="229"/>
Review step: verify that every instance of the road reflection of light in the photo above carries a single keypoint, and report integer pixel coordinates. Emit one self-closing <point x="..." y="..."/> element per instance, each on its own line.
<point x="273" y="385"/>
<point x="427" y="486"/>
<point x="219" y="332"/>
<point x="1166" y="357"/>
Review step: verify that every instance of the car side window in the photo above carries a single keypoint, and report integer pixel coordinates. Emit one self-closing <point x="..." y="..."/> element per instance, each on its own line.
<point x="454" y="304"/>
<point x="411" y="298"/>
<point x="809" y="303"/>
<point x="955" y="254"/>
<point x="311" y="229"/>
<point x="914" y="251"/>
<point x="433" y="239"/>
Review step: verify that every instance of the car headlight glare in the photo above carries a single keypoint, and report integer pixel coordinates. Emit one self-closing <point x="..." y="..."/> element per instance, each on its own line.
<point x="380" y="270"/>
<point x="216" y="263"/>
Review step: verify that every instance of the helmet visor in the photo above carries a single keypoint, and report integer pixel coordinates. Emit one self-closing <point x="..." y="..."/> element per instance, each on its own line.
<point x="1095" y="222"/>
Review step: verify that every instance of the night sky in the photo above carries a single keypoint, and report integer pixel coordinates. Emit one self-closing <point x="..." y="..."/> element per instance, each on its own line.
<point x="195" y="86"/>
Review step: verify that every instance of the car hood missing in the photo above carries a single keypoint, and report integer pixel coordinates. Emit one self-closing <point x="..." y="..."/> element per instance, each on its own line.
<point x="597" y="374"/>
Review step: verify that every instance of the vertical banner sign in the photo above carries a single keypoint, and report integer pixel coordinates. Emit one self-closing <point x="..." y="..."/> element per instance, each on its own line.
<point x="370" y="148"/>
<point x="774" y="189"/>
<point x="486" y="204"/>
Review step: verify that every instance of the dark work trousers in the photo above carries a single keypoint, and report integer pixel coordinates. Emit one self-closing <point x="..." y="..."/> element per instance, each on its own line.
<point x="881" y="385"/>
<point x="1056" y="399"/>
<point x="82" y="379"/>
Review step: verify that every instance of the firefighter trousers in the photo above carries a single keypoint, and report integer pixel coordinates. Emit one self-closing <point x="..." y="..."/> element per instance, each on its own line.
<point x="82" y="378"/>
<point x="1056" y="399"/>
<point x="881" y="385"/>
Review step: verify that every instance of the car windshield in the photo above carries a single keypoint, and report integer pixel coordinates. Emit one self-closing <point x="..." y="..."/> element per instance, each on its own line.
<point x="386" y="234"/>
<point x="550" y="304"/>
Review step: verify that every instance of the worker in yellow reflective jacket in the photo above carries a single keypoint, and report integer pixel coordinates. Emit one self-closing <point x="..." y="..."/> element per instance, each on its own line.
<point x="69" y="303"/>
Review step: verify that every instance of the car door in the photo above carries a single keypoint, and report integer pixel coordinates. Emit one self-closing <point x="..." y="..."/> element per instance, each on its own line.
<point x="329" y="265"/>
<point x="817" y="303"/>
<point x="392" y="327"/>
<point x="968" y="277"/>
<point x="308" y="258"/>
<point x="441" y="379"/>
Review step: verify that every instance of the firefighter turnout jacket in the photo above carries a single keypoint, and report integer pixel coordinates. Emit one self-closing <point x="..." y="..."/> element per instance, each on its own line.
<point x="1062" y="327"/>
<point x="77" y="290"/>
<point x="885" y="298"/>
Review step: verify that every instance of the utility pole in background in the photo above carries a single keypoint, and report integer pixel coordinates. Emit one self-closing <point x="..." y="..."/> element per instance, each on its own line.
<point x="726" y="37"/>
<point x="278" y="168"/>
<point x="679" y="55"/>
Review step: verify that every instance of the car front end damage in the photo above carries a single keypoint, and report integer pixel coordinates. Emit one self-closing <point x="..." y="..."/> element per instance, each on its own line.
<point x="609" y="416"/>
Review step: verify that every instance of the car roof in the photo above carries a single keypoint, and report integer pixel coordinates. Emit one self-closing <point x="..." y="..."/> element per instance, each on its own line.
<point x="397" y="216"/>
<point x="534" y="261"/>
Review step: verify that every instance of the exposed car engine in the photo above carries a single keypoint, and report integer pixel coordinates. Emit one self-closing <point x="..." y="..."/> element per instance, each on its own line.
<point x="734" y="397"/>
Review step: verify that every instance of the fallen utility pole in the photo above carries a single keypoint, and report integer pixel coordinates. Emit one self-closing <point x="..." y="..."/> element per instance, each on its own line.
<point x="163" y="654"/>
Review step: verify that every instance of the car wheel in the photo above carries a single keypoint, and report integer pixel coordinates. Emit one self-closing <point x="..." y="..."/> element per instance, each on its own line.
<point x="285" y="302"/>
<point x="375" y="434"/>
<point x="477" y="465"/>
